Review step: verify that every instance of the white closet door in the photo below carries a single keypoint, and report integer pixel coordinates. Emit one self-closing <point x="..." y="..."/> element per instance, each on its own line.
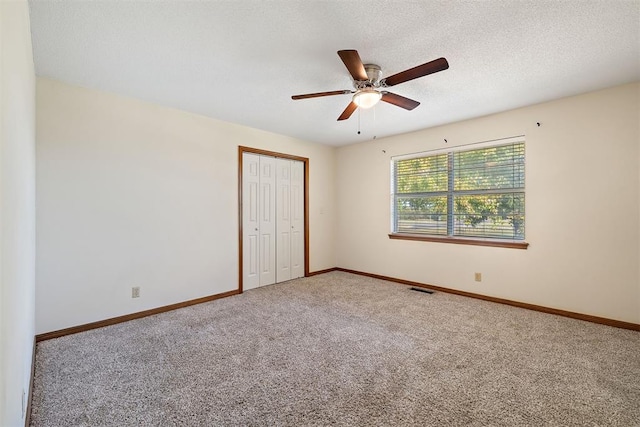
<point x="272" y="220"/>
<point x="258" y="217"/>
<point x="250" y="220"/>
<point x="267" y="209"/>
<point x="297" y="219"/>
<point x="283" y="213"/>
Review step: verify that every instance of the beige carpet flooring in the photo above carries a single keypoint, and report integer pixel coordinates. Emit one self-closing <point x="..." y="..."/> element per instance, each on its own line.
<point x="341" y="350"/>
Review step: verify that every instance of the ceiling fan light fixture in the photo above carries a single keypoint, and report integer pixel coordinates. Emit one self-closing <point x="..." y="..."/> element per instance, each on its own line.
<point x="366" y="98"/>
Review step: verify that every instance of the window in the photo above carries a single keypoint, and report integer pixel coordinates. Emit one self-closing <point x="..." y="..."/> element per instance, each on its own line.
<point x="472" y="193"/>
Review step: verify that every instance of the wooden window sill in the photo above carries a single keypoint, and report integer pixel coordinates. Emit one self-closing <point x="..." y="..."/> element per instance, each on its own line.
<point x="460" y="240"/>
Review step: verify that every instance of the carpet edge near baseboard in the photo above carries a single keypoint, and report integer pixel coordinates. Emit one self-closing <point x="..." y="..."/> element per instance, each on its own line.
<point x="132" y="316"/>
<point x="326" y="270"/>
<point x="579" y="316"/>
<point x="27" y="415"/>
<point x="140" y="314"/>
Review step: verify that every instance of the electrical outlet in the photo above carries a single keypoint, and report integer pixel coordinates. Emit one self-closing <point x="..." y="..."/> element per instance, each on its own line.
<point x="478" y="277"/>
<point x="135" y="292"/>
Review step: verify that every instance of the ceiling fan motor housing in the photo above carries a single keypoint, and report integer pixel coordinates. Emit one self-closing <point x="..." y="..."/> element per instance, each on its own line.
<point x="374" y="72"/>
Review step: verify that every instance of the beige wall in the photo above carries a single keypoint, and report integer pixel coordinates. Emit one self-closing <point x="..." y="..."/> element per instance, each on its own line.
<point x="133" y="194"/>
<point x="17" y="210"/>
<point x="582" y="207"/>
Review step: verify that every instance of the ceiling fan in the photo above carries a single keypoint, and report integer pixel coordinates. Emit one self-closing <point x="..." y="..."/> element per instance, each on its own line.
<point x="369" y="87"/>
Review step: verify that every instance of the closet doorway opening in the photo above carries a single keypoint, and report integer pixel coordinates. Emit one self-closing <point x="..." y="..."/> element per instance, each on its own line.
<point x="272" y="216"/>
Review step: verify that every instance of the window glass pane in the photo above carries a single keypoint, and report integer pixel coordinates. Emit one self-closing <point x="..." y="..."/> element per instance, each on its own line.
<point x="421" y="215"/>
<point x="489" y="168"/>
<point x="496" y="215"/>
<point x="422" y="175"/>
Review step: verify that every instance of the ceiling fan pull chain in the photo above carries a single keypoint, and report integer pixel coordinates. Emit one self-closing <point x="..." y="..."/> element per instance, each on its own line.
<point x="359" y="120"/>
<point x="374" y="122"/>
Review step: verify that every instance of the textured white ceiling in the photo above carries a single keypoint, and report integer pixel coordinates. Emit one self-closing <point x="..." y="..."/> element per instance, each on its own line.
<point x="240" y="61"/>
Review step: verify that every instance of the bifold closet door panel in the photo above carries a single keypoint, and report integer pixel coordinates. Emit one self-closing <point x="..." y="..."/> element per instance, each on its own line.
<point x="258" y="220"/>
<point x="283" y="214"/>
<point x="267" y="216"/>
<point x="297" y="219"/>
<point x="250" y="221"/>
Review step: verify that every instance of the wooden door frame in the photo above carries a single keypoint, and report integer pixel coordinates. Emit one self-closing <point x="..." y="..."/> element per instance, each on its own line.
<point x="305" y="161"/>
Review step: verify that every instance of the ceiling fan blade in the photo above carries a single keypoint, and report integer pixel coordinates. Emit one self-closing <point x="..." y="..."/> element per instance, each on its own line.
<point x="434" y="66"/>
<point x="400" y="101"/>
<point x="348" y="111"/>
<point x="319" y="94"/>
<point x="353" y="63"/>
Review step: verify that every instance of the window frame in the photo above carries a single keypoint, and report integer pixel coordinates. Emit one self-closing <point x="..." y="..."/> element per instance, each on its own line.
<point x="449" y="237"/>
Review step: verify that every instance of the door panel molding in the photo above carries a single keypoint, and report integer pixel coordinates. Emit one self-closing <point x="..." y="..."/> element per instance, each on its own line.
<point x="305" y="162"/>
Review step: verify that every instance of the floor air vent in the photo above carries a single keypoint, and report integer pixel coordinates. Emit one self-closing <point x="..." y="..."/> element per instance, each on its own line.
<point x="426" y="291"/>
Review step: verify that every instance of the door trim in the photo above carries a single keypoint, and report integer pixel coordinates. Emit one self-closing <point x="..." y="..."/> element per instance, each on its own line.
<point x="305" y="161"/>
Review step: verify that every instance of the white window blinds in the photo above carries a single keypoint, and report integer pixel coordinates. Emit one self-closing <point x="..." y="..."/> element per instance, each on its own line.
<point x="476" y="193"/>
